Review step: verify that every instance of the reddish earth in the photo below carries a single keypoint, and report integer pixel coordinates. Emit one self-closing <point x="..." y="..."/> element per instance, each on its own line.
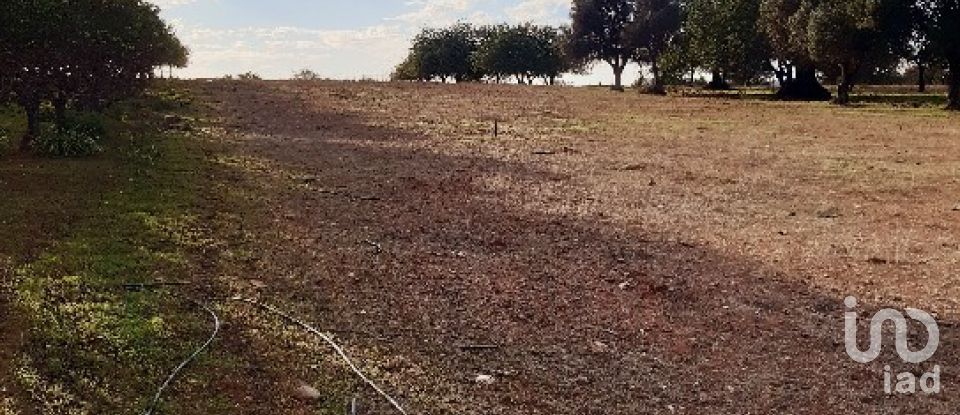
<point x="624" y="254"/>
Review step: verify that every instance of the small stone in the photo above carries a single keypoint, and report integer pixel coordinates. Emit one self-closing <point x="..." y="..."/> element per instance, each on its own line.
<point x="599" y="347"/>
<point x="307" y="393"/>
<point x="956" y="208"/>
<point x="624" y="285"/>
<point x="484" y="380"/>
<point x="829" y="213"/>
<point x="877" y="261"/>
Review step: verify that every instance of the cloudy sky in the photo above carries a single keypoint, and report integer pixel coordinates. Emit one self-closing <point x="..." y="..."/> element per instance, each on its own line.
<point x="339" y="39"/>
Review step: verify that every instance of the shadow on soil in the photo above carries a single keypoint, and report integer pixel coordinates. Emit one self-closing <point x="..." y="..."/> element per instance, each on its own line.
<point x="589" y="317"/>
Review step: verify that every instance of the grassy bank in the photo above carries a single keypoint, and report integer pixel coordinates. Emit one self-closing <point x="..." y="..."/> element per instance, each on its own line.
<point x="75" y="232"/>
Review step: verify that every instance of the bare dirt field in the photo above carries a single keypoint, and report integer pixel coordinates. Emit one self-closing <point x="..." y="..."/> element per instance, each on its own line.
<point x="603" y="254"/>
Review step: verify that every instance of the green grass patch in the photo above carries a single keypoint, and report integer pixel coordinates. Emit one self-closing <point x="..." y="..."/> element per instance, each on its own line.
<point x="78" y="230"/>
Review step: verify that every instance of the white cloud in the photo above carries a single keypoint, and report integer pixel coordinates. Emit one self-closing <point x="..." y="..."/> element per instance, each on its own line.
<point x="436" y="12"/>
<point x="539" y="11"/>
<point x="277" y="51"/>
<point x="169" y="4"/>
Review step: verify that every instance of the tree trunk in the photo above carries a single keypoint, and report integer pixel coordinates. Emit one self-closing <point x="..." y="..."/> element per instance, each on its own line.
<point x="803" y="87"/>
<point x="921" y="77"/>
<point x="657" y="87"/>
<point x="781" y="75"/>
<point x="717" y="82"/>
<point x="60" y="111"/>
<point x="32" y="108"/>
<point x="845" y="86"/>
<point x="953" y="98"/>
<point x="617" y="77"/>
<point x="843" y="94"/>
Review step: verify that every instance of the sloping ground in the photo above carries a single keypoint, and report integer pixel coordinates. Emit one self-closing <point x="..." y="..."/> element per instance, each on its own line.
<point x="622" y="254"/>
<point x="73" y="340"/>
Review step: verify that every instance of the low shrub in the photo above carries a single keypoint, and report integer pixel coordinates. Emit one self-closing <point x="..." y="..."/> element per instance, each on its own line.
<point x="88" y="123"/>
<point x="74" y="141"/>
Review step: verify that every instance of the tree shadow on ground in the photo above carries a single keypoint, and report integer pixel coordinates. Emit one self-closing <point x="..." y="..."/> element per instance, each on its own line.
<point x="589" y="316"/>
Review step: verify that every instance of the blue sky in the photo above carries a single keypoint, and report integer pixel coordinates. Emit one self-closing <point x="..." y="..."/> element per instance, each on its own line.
<point x="338" y="39"/>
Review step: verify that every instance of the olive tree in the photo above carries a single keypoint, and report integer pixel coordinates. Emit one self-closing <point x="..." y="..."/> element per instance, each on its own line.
<point x="944" y="32"/>
<point x="599" y="33"/>
<point x="83" y="52"/>
<point x="656" y="24"/>
<point x="856" y="35"/>
<point x="446" y="53"/>
<point x="783" y="23"/>
<point x="725" y="37"/>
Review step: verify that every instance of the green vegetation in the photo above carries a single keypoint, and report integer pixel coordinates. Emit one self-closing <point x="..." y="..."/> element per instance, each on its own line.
<point x="83" y="54"/>
<point x="80" y="230"/>
<point x="68" y="141"/>
<point x="466" y="53"/>
<point x="599" y="34"/>
<point x="724" y="39"/>
<point x="795" y="44"/>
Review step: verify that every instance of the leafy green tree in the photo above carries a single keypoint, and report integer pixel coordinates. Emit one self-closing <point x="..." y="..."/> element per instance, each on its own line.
<point x="679" y="63"/>
<point x="655" y="25"/>
<point x="506" y="51"/>
<point x="725" y="37"/>
<point x="598" y="33"/>
<point x="922" y="52"/>
<point x="783" y="23"/>
<point x="82" y="52"/>
<point x="409" y="69"/>
<point x="552" y="59"/>
<point x="944" y="32"/>
<point x="27" y="53"/>
<point x="526" y="52"/>
<point x="446" y="53"/>
<point x="854" y="36"/>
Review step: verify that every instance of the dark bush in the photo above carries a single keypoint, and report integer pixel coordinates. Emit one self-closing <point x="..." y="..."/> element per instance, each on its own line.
<point x="74" y="141"/>
<point x="90" y="124"/>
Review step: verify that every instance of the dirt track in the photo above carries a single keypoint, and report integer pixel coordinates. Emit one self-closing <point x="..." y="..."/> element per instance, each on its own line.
<point x="625" y="254"/>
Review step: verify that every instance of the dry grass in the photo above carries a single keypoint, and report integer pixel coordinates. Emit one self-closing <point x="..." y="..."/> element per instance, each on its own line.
<point x="630" y="254"/>
<point x="748" y="178"/>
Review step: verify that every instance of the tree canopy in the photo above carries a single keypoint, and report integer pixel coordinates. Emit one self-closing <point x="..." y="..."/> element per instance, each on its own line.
<point x="725" y="37"/>
<point x="944" y="33"/>
<point x="466" y="53"/>
<point x="82" y="52"/>
<point x="856" y="36"/>
<point x="799" y="43"/>
<point x="655" y="25"/>
<point x="599" y="33"/>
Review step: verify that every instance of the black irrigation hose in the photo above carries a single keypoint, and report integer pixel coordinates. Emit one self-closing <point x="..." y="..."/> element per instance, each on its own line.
<point x="176" y="371"/>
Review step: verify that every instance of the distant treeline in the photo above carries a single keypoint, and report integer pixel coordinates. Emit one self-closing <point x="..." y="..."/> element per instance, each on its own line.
<point x="799" y="43"/>
<point x="466" y="53"/>
<point x="80" y="54"/>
